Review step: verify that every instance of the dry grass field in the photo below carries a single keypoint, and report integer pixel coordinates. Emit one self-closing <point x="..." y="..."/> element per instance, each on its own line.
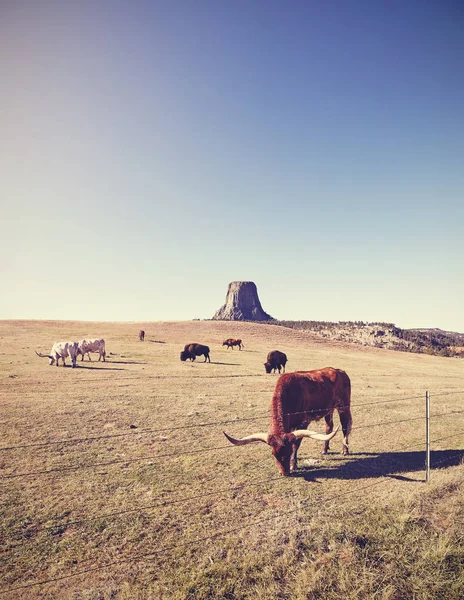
<point x="117" y="482"/>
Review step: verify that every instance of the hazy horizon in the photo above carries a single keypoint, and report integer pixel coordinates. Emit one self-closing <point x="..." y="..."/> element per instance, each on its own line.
<point x="153" y="152"/>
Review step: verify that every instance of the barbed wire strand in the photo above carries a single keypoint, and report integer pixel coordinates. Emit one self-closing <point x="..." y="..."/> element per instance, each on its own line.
<point x="112" y="462"/>
<point x="446" y="437"/>
<point x="448" y="393"/>
<point x="133" y="433"/>
<point x="381" y="423"/>
<point x="449" y="412"/>
<point x="443" y="460"/>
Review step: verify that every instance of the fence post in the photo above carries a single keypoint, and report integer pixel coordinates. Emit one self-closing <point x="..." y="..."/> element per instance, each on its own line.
<point x="427" y="437"/>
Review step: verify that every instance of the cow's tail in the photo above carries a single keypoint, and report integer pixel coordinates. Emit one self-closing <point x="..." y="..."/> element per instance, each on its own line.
<point x="349" y="422"/>
<point x="43" y="355"/>
<point x="347" y="404"/>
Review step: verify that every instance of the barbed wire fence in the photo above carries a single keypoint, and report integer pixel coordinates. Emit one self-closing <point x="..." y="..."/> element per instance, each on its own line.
<point x="165" y="500"/>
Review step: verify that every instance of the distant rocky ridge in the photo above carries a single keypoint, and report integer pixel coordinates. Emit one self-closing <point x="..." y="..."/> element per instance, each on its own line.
<point x="385" y="335"/>
<point x="242" y="304"/>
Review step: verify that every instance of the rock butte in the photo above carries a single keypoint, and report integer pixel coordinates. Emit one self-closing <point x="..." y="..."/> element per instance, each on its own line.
<point x="242" y="304"/>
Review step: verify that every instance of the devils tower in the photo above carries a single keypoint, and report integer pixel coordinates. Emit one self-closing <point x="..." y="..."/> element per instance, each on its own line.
<point x="242" y="304"/>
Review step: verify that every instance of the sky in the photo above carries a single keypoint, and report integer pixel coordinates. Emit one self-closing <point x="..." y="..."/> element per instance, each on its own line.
<point x="151" y="152"/>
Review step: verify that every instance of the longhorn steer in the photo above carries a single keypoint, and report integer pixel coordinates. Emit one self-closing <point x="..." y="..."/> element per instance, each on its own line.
<point x="87" y="346"/>
<point x="231" y="342"/>
<point x="193" y="350"/>
<point x="62" y="350"/>
<point x="300" y="398"/>
<point x="275" y="360"/>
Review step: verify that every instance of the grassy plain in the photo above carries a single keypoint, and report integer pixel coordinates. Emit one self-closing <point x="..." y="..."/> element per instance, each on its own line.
<point x="116" y="483"/>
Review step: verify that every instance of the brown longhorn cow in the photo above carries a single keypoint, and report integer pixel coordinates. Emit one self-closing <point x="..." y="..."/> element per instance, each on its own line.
<point x="300" y="398"/>
<point x="231" y="342"/>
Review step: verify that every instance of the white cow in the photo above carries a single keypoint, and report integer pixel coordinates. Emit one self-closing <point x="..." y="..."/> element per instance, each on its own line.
<point x="62" y="350"/>
<point x="87" y="346"/>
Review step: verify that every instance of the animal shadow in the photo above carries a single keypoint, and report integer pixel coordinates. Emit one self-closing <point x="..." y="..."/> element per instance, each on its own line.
<point x="367" y="465"/>
<point x="127" y="362"/>
<point x="101" y="368"/>
<point x="227" y="364"/>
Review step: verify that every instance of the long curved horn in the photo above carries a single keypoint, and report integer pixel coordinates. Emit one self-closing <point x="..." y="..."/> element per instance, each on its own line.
<point x="256" y="437"/>
<point x="307" y="433"/>
<point x="43" y="355"/>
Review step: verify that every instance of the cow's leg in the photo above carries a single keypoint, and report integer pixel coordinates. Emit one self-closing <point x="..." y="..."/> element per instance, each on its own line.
<point x="88" y="354"/>
<point x="57" y="359"/>
<point x="82" y="357"/>
<point x="293" y="457"/>
<point x="283" y="367"/>
<point x="64" y="362"/>
<point x="345" y="420"/>
<point x="329" y="425"/>
<point x="104" y="355"/>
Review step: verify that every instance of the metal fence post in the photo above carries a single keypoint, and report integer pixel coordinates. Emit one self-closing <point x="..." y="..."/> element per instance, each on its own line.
<point x="427" y="437"/>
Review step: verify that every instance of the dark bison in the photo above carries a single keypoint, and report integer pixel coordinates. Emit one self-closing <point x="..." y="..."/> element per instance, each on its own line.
<point x="300" y="398"/>
<point x="275" y="360"/>
<point x="193" y="350"/>
<point x="230" y="343"/>
<point x="141" y="335"/>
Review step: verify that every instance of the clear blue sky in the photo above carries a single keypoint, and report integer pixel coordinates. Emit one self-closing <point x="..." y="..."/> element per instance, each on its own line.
<point x="154" y="151"/>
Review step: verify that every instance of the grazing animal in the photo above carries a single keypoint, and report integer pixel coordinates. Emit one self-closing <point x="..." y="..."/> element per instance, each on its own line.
<point x="275" y="360"/>
<point x="193" y="350"/>
<point x="62" y="350"/>
<point x="142" y="335"/>
<point x="87" y="346"/>
<point x="300" y="398"/>
<point x="230" y="343"/>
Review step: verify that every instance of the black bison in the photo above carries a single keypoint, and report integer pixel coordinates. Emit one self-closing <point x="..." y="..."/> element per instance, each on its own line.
<point x="193" y="350"/>
<point x="298" y="399"/>
<point x="141" y="335"/>
<point x="230" y="343"/>
<point x="275" y="360"/>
